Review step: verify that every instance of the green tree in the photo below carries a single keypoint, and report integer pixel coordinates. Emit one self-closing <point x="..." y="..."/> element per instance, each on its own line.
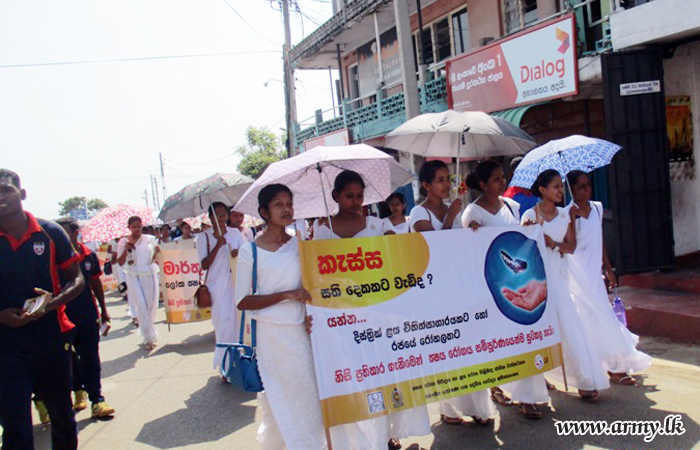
<point x="70" y="204"/>
<point x="262" y="148"/>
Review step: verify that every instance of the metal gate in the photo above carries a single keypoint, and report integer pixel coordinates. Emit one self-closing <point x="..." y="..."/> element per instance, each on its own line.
<point x="639" y="176"/>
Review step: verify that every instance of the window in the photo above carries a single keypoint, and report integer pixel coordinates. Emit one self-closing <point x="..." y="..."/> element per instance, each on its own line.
<point x="427" y="48"/>
<point x="460" y="30"/>
<point x="443" y="46"/>
<point x="519" y="14"/>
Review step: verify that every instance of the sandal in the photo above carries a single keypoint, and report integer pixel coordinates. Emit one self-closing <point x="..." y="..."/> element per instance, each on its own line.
<point x="622" y="378"/>
<point x="530" y="411"/>
<point x="135" y="322"/>
<point x="150" y="345"/>
<point x="550" y="386"/>
<point x="498" y="396"/>
<point x="480" y="421"/>
<point x="451" y="420"/>
<point x="394" y="444"/>
<point x="590" y="396"/>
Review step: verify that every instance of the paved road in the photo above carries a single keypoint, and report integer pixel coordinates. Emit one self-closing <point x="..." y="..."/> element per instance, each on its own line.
<point x="171" y="398"/>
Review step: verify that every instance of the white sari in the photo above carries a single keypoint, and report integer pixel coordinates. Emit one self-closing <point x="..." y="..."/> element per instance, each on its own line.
<point x="584" y="369"/>
<point x="142" y="283"/>
<point x="220" y="283"/>
<point x="613" y="341"/>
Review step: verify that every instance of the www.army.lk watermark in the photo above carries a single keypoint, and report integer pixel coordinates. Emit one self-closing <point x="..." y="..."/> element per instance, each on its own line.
<point x="672" y="425"/>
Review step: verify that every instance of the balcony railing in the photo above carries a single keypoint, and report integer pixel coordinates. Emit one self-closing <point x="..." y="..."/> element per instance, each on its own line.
<point x="380" y="117"/>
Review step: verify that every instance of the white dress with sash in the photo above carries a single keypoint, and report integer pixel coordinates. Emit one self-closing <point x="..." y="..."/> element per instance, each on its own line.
<point x="142" y="283"/>
<point x="614" y="342"/>
<point x="584" y="368"/>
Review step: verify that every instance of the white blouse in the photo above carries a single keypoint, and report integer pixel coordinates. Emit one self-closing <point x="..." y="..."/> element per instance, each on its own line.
<point x="420" y="212"/>
<point x="373" y="227"/>
<point x="401" y="228"/>
<point x="509" y="214"/>
<point x="140" y="260"/>
<point x="277" y="272"/>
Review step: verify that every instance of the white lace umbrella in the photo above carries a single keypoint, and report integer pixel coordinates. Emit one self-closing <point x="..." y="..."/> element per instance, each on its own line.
<point x="310" y="177"/>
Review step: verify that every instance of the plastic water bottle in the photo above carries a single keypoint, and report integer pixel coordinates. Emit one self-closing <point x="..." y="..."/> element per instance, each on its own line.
<point x="619" y="309"/>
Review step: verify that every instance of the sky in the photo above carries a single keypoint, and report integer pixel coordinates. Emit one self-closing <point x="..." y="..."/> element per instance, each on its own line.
<point x="96" y="129"/>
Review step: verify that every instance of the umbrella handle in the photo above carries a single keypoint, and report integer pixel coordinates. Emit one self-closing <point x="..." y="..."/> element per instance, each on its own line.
<point x="325" y="202"/>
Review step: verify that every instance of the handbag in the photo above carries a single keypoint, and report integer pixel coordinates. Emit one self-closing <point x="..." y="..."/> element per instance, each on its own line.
<point x="107" y="268"/>
<point x="202" y="296"/>
<point x="240" y="364"/>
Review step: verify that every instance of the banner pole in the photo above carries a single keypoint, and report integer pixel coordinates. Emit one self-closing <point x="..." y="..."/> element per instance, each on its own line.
<point x="563" y="371"/>
<point x="328" y="438"/>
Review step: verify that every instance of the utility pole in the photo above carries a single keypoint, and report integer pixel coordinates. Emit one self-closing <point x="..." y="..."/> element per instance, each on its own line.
<point x="162" y="177"/>
<point x="145" y="196"/>
<point x="154" y="192"/>
<point x="289" y="89"/>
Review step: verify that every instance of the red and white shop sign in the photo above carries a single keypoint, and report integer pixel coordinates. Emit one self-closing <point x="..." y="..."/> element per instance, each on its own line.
<point x="529" y="67"/>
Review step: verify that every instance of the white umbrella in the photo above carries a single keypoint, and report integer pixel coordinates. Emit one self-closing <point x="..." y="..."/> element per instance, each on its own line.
<point x="311" y="174"/>
<point x="453" y="134"/>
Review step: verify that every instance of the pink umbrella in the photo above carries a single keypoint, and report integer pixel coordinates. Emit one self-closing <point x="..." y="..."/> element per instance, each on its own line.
<point x="112" y="222"/>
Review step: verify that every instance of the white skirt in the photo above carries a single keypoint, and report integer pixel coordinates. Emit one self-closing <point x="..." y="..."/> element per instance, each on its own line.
<point x="478" y="404"/>
<point x="374" y="434"/>
<point x="582" y="363"/>
<point x="613" y="341"/>
<point x="291" y="409"/>
<point x="143" y="292"/>
<point x="528" y="390"/>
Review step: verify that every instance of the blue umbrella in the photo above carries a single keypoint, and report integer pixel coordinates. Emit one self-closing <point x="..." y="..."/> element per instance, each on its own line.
<point x="564" y="155"/>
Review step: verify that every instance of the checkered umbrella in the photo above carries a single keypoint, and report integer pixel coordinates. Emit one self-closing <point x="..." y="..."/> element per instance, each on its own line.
<point x="112" y="222"/>
<point x="564" y="155"/>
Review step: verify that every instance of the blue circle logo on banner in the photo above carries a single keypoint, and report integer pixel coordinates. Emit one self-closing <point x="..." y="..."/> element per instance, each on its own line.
<point x="515" y="275"/>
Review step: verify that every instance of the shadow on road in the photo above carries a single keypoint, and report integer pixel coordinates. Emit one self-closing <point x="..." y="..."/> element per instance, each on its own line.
<point x="193" y="345"/>
<point x="213" y="412"/>
<point x="619" y="403"/>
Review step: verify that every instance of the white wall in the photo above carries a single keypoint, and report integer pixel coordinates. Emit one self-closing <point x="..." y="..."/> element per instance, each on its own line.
<point x="660" y="20"/>
<point x="682" y="77"/>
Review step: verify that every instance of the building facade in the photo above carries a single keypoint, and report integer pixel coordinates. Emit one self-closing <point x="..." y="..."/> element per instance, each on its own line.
<point x="554" y="68"/>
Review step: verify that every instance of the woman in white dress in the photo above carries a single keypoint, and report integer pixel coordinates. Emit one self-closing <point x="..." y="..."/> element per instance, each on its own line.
<point x="490" y="209"/>
<point x="432" y="215"/>
<point x="615" y="344"/>
<point x="584" y="369"/>
<point x="350" y="222"/>
<point x="136" y="254"/>
<point x="396" y="223"/>
<point x="291" y="409"/>
<point x="214" y="248"/>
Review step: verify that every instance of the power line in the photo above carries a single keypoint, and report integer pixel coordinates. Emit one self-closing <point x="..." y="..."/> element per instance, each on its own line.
<point x="249" y="25"/>
<point x="199" y="164"/>
<point x="145" y="58"/>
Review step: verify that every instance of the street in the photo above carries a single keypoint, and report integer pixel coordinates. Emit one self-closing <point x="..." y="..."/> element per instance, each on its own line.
<point x="173" y="399"/>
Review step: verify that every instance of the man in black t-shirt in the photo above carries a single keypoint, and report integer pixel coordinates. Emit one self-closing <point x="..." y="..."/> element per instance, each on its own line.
<point x="35" y="255"/>
<point x="84" y="313"/>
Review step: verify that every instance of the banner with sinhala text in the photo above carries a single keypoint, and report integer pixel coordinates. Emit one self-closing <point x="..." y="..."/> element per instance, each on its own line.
<point x="180" y="273"/>
<point x="405" y="320"/>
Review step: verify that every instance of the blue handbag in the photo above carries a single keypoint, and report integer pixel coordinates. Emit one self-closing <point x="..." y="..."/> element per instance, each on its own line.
<point x="240" y="364"/>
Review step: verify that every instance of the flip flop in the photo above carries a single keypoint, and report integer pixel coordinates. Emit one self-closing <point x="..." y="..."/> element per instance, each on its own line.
<point x="622" y="379"/>
<point x="550" y="386"/>
<point x="451" y="420"/>
<point x="394" y="444"/>
<point x="498" y="396"/>
<point x="530" y="411"/>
